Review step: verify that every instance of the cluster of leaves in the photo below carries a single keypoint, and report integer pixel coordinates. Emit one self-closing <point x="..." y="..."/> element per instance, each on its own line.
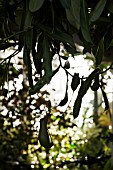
<point x="40" y="28"/>
<point x="43" y="26"/>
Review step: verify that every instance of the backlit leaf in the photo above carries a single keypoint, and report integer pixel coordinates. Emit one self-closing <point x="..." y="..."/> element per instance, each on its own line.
<point x="44" y="137"/>
<point x="41" y="83"/>
<point x="77" y="106"/>
<point x="37" y="86"/>
<point x="95" y="85"/>
<point x="82" y="91"/>
<point x="67" y="64"/>
<point x="65" y="100"/>
<point x="95" y="14"/>
<point x="35" y="5"/>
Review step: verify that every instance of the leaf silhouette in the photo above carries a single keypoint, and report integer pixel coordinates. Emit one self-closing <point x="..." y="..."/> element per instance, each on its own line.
<point x="105" y="100"/>
<point x="82" y="91"/>
<point x="35" y="5"/>
<point x="44" y="137"/>
<point x="47" y="56"/>
<point x="95" y="85"/>
<point x="65" y="100"/>
<point x="75" y="81"/>
<point x="58" y="35"/>
<point x="100" y="52"/>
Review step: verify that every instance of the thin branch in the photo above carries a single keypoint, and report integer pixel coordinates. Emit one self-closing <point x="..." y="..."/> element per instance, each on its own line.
<point x="9" y="57"/>
<point x="13" y="35"/>
<point x="64" y="68"/>
<point x="110" y="67"/>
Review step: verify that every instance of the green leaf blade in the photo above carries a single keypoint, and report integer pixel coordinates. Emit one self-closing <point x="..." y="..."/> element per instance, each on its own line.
<point x="35" y="5"/>
<point x="82" y="91"/>
<point x="47" y="56"/>
<point x="77" y="106"/>
<point x="58" y="35"/>
<point x="37" y="56"/>
<point x="85" y="22"/>
<point x="36" y="88"/>
<point x="28" y="35"/>
<point x="75" y="81"/>
<point x="73" y="14"/>
<point x="98" y="10"/>
<point x="110" y="6"/>
<point x="66" y="3"/>
<point x="100" y="52"/>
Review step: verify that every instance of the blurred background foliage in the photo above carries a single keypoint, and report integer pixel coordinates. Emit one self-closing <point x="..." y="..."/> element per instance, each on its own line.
<point x="74" y="147"/>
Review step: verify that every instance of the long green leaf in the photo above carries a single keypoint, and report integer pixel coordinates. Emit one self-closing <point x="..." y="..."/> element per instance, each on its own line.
<point x="35" y="5"/>
<point x="98" y="10"/>
<point x="37" y="56"/>
<point x="65" y="99"/>
<point x="47" y="56"/>
<point x="37" y="86"/>
<point x="77" y="106"/>
<point x="110" y="6"/>
<point x="95" y="85"/>
<point x="82" y="91"/>
<point x="28" y="39"/>
<point x="100" y="52"/>
<point x="21" y="35"/>
<point x="66" y="3"/>
<point x="28" y="20"/>
<point x="70" y="49"/>
<point x="57" y="35"/>
<point x="73" y="14"/>
<point x="41" y="83"/>
<point x="75" y="81"/>
<point x="84" y="22"/>
<point x="44" y="137"/>
<point x="28" y="31"/>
